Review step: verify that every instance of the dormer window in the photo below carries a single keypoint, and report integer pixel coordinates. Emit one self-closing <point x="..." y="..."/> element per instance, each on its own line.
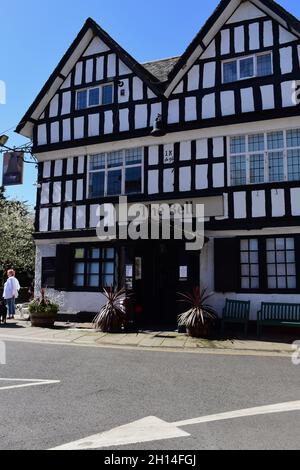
<point x="96" y="96"/>
<point x="247" y="67"/>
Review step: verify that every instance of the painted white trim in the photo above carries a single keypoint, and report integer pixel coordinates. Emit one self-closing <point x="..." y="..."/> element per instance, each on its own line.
<point x="39" y="109"/>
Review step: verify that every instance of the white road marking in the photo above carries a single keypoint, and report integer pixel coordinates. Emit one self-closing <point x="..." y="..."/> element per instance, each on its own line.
<point x="261" y="410"/>
<point x="145" y="430"/>
<point x="154" y="429"/>
<point x="26" y="383"/>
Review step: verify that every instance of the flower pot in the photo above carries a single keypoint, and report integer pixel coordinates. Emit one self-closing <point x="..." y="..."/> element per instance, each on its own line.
<point x="43" y="321"/>
<point x="115" y="328"/>
<point x="200" y="330"/>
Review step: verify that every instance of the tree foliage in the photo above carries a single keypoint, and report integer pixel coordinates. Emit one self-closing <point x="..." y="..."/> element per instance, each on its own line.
<point x="16" y="243"/>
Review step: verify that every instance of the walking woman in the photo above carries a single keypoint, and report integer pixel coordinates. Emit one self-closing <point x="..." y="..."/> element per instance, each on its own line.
<point x="11" y="292"/>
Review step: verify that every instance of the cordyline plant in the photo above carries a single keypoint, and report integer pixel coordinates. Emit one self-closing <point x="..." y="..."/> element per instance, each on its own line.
<point x="112" y="315"/>
<point x="200" y="312"/>
<point x="43" y="305"/>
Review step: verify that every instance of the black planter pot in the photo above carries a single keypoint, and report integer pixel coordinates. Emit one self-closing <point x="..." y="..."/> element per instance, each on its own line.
<point x="200" y="330"/>
<point x="39" y="320"/>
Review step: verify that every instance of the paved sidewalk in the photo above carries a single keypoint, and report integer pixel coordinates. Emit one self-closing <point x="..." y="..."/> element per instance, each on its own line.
<point x="84" y="335"/>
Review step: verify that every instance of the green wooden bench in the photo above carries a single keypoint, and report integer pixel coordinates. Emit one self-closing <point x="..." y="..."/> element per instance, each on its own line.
<point x="236" y="311"/>
<point x="275" y="314"/>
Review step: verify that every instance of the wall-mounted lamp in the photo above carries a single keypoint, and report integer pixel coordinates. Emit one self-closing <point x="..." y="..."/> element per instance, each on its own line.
<point x="158" y="128"/>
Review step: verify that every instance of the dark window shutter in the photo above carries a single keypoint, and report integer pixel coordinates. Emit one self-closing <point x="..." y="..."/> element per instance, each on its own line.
<point x="227" y="264"/>
<point x="63" y="267"/>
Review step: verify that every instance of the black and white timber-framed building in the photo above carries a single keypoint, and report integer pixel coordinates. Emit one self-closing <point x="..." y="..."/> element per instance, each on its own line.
<point x="232" y="139"/>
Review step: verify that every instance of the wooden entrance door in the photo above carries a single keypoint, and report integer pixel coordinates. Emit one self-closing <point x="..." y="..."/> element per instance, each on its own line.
<point x="156" y="293"/>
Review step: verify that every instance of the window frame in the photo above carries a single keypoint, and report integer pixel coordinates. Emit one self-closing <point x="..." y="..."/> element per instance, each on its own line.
<point x="45" y="271"/>
<point x="255" y="67"/>
<point x="266" y="152"/>
<point x="88" y="90"/>
<point x="123" y="169"/>
<point x="250" y="263"/>
<point x="277" y="263"/>
<point x="86" y="260"/>
<point x="263" y="265"/>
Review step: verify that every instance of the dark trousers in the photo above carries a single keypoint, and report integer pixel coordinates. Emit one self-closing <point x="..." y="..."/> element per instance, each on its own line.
<point x="11" y="307"/>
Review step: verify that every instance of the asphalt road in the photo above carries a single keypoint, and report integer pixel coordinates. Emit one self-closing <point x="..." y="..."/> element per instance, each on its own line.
<point x="101" y="389"/>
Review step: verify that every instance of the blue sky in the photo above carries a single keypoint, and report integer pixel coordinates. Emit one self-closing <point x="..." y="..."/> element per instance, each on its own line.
<point x="35" y="34"/>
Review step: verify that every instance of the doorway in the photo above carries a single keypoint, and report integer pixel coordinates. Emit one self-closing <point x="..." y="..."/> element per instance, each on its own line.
<point x="164" y="269"/>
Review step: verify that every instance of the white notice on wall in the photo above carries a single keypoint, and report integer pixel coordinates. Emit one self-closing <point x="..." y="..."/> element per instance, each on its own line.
<point x="183" y="272"/>
<point x="129" y="270"/>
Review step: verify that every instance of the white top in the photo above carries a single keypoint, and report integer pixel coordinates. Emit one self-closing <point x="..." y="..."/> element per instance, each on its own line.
<point x="11" y="288"/>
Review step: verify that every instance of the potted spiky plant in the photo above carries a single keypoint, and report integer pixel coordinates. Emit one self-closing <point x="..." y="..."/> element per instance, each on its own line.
<point x="112" y="316"/>
<point x="200" y="317"/>
<point x="42" y="311"/>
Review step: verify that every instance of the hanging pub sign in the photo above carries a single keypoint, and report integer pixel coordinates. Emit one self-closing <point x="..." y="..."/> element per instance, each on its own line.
<point x="13" y="167"/>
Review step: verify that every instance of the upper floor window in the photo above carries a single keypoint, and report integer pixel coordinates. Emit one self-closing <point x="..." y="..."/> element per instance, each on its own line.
<point x="116" y="173"/>
<point x="266" y="157"/>
<point x="247" y="67"/>
<point x="101" y="95"/>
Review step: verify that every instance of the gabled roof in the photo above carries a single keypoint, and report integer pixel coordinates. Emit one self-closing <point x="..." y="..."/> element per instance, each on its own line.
<point x="135" y="66"/>
<point x="159" y="75"/>
<point x="90" y="30"/>
<point x="214" y="23"/>
<point x="292" y="22"/>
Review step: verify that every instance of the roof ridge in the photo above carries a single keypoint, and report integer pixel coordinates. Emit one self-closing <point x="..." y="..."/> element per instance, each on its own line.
<point x="161" y="60"/>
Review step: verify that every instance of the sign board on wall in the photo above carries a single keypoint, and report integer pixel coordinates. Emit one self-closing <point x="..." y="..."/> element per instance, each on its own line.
<point x="169" y="154"/>
<point x="13" y="167"/>
<point x="129" y="270"/>
<point x="183" y="273"/>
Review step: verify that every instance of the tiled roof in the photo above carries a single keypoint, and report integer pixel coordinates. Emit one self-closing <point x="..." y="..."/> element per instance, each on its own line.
<point x="161" y="68"/>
